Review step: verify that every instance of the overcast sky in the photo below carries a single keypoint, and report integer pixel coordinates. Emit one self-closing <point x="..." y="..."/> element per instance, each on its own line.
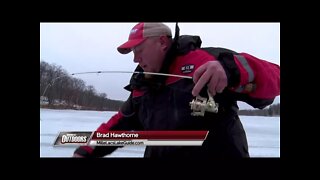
<point x="82" y="47"/>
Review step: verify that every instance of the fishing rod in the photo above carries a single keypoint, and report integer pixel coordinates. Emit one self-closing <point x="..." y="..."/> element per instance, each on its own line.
<point x="135" y="72"/>
<point x="101" y="72"/>
<point x="199" y="105"/>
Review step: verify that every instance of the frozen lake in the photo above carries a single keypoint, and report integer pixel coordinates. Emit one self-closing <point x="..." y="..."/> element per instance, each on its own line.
<point x="263" y="133"/>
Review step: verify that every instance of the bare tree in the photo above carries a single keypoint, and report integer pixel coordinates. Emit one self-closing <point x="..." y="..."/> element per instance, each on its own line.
<point x="57" y="85"/>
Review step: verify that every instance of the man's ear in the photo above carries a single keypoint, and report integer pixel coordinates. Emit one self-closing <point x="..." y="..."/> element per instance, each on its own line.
<point x="164" y="42"/>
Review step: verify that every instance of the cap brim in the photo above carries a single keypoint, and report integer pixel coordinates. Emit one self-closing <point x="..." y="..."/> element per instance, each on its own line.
<point x="126" y="47"/>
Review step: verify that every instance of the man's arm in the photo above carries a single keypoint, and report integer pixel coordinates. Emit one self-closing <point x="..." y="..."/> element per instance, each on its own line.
<point x="125" y="119"/>
<point x="256" y="81"/>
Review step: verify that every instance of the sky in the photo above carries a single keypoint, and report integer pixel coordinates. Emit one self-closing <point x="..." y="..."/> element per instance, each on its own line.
<point x="83" y="47"/>
<point x="263" y="133"/>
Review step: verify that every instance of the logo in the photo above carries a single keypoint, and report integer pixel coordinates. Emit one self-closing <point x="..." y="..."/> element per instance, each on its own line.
<point x="187" y="68"/>
<point x="72" y="138"/>
<point x="133" y="31"/>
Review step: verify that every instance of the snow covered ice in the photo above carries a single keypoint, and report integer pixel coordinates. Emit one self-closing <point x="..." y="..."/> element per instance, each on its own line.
<point x="263" y="133"/>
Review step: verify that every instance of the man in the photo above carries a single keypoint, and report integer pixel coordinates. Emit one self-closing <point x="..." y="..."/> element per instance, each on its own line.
<point x="163" y="103"/>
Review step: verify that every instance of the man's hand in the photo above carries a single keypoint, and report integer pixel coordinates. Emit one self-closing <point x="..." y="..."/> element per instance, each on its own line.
<point x="212" y="74"/>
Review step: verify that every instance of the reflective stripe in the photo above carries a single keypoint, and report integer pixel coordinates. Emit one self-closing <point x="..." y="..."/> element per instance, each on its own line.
<point x="245" y="64"/>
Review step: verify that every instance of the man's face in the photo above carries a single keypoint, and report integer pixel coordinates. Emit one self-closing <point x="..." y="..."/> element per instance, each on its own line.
<point x="150" y="54"/>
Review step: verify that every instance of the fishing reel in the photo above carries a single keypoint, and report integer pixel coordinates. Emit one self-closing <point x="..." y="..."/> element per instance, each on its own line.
<point x="200" y="105"/>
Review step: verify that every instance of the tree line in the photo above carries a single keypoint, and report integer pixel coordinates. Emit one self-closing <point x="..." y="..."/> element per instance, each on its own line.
<point x="59" y="90"/>
<point x="272" y="110"/>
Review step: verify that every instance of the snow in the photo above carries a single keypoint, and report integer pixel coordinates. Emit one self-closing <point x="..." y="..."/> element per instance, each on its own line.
<point x="263" y="133"/>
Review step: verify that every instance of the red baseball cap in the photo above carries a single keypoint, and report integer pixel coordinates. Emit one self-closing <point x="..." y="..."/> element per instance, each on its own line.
<point x="140" y="32"/>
